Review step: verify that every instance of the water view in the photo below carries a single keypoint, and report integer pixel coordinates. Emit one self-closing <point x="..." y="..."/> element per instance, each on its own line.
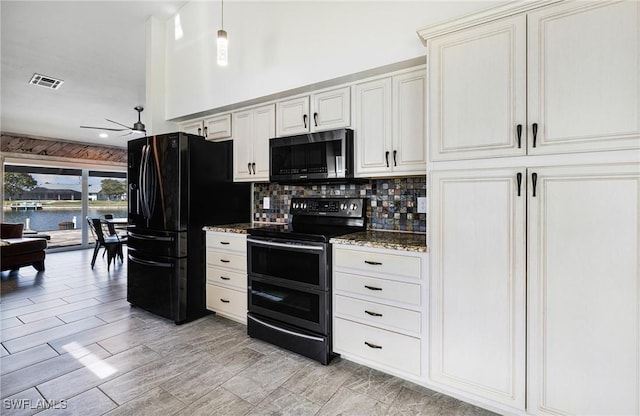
<point x="48" y="220"/>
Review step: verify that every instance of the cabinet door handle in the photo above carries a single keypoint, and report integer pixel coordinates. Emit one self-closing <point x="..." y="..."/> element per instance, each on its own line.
<point x="199" y="131"/>
<point x="534" y="129"/>
<point x="519" y="179"/>
<point x="372" y="287"/>
<point x="224" y="300"/>
<point x="386" y="156"/>
<point x="225" y="278"/>
<point x="373" y="263"/>
<point x="304" y="120"/>
<point x="206" y="131"/>
<point x="534" y="181"/>
<point x="249" y="167"/>
<point x="253" y="166"/>
<point x="395" y="152"/>
<point x="519" y="131"/>
<point x="225" y="261"/>
<point x="374" y="346"/>
<point x="373" y="313"/>
<point x="315" y="119"/>
<point x="224" y="243"/>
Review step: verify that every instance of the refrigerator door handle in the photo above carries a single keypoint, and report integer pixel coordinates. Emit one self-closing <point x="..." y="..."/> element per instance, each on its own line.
<point x="149" y="262"/>
<point x="149" y="237"/>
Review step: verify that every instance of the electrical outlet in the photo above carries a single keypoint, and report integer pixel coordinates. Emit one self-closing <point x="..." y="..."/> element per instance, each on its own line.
<point x="266" y="202"/>
<point x="422" y="205"/>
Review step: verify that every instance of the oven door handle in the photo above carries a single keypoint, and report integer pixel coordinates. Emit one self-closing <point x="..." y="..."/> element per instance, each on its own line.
<point x="285" y="245"/>
<point x="286" y="331"/>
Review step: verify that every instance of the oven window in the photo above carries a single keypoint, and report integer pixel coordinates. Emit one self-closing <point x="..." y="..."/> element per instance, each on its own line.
<point x="286" y="301"/>
<point x="292" y="265"/>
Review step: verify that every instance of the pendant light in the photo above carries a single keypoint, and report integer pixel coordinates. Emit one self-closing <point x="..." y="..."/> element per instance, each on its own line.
<point x="223" y="44"/>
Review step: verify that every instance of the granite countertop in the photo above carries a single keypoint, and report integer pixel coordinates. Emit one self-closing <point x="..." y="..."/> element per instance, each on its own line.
<point x="385" y="239"/>
<point x="240" y="228"/>
<point x="377" y="239"/>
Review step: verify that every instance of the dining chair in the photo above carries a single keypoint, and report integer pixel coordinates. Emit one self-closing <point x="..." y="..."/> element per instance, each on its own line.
<point x="111" y="228"/>
<point x="111" y="243"/>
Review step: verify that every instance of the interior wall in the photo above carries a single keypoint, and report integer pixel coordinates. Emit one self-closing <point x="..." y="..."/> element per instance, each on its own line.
<point x="276" y="46"/>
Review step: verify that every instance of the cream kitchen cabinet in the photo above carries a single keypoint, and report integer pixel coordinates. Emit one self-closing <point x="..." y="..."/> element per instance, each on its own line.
<point x="558" y="79"/>
<point x="211" y="128"/>
<point x="226" y="284"/>
<point x="579" y="288"/>
<point x="379" y="305"/>
<point x="583" y="291"/>
<point x="477" y="276"/>
<point x="324" y="110"/>
<point x="389" y="125"/>
<point x="251" y="133"/>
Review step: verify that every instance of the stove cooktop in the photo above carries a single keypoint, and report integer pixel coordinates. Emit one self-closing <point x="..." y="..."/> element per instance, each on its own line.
<point x="318" y="219"/>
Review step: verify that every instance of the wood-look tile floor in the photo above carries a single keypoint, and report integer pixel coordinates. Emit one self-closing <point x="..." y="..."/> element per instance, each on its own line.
<point x="72" y="345"/>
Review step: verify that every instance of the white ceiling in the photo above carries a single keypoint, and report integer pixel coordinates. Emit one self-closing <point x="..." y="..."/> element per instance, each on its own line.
<point x="96" y="47"/>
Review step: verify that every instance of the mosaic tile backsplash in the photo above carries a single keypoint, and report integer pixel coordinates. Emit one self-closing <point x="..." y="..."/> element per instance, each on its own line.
<point x="393" y="202"/>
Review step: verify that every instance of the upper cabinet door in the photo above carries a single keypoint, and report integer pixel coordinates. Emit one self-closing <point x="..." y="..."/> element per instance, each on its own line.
<point x="292" y="116"/>
<point x="373" y="131"/>
<point x="409" y="155"/>
<point x="477" y="91"/>
<point x="584" y="76"/>
<point x="331" y="109"/>
<point x="192" y="127"/>
<point x="242" y="145"/>
<point x="217" y="127"/>
<point x="264" y="128"/>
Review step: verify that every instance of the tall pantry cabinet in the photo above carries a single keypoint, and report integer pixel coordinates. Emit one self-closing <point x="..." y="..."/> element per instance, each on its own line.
<point x="534" y="220"/>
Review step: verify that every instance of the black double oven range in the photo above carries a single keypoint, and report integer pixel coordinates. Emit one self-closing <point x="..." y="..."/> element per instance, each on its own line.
<point x="289" y="274"/>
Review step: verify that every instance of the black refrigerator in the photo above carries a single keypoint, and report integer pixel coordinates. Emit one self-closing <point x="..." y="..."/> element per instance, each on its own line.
<point x="178" y="183"/>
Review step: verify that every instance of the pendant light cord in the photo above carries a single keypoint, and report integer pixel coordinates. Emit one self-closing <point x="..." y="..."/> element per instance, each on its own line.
<point x="222" y="14"/>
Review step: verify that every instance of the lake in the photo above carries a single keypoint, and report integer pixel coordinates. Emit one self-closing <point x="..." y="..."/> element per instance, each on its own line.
<point x="47" y="220"/>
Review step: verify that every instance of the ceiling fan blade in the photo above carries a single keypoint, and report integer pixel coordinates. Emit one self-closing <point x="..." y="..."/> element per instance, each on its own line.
<point x="120" y="124"/>
<point x="126" y="134"/>
<point x="102" y="128"/>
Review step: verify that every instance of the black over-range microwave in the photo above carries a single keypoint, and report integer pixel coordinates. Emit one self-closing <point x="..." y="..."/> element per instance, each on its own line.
<point x="325" y="155"/>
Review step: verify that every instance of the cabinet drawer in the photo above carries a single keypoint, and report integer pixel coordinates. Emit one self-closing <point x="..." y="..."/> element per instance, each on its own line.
<point x="393" y="264"/>
<point x="228" y="261"/>
<point x="227" y="301"/>
<point x="382" y="289"/>
<point x="216" y="275"/>
<point x="378" y="314"/>
<point x="227" y="241"/>
<point x="384" y="347"/>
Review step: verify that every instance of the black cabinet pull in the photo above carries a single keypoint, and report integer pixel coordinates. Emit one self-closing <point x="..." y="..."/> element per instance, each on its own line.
<point x="199" y="131"/>
<point x="206" y="132"/>
<point x="315" y="118"/>
<point x="386" y="156"/>
<point x="224" y="300"/>
<point x="249" y="167"/>
<point x="534" y="180"/>
<point x="373" y="263"/>
<point x="519" y="131"/>
<point x="372" y="287"/>
<point x="225" y="278"/>
<point x="304" y="120"/>
<point x="224" y="261"/>
<point x="370" y="345"/>
<point x="225" y="243"/>
<point x="519" y="180"/>
<point x="253" y="166"/>
<point x="395" y="152"/>
<point x="373" y="313"/>
<point x="534" y="128"/>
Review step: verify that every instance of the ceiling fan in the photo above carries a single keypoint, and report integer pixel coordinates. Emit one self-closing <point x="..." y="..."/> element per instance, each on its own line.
<point x="138" y="127"/>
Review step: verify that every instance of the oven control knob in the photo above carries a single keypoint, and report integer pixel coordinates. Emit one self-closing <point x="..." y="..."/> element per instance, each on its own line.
<point x="353" y="207"/>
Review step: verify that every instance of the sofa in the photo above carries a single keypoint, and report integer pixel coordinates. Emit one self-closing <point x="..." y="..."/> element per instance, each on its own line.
<point x="16" y="251"/>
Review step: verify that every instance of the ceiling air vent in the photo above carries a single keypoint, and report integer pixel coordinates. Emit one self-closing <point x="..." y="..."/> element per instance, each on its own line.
<point x="45" y="81"/>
